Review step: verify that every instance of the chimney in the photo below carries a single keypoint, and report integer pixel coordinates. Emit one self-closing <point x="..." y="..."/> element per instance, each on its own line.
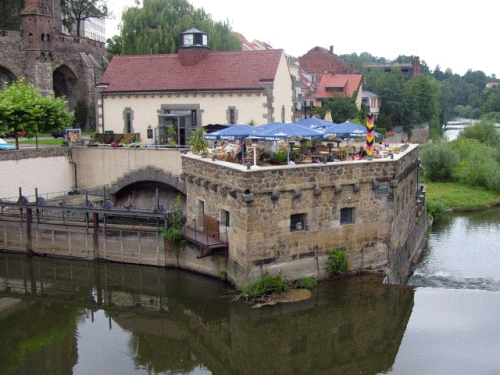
<point x="331" y="50"/>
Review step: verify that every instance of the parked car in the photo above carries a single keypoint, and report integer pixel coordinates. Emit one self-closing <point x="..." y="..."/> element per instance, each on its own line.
<point x="59" y="133"/>
<point x="6" y="146"/>
<point x="21" y="133"/>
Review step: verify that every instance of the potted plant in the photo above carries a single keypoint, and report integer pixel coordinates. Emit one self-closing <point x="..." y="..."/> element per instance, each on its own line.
<point x="198" y="142"/>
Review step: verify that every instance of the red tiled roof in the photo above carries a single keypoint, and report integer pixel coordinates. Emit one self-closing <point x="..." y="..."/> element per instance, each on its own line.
<point x="219" y="71"/>
<point x="348" y="83"/>
<point x="320" y="61"/>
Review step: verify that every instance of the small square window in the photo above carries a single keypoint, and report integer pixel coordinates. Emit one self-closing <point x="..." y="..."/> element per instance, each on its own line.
<point x="347" y="215"/>
<point x="224" y="218"/>
<point x="297" y="222"/>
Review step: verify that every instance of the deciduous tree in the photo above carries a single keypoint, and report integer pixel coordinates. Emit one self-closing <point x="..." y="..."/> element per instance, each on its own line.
<point x="23" y="108"/>
<point x="76" y="11"/>
<point x="156" y="27"/>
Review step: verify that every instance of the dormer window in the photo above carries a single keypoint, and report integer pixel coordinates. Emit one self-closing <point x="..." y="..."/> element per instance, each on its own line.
<point x="188" y="40"/>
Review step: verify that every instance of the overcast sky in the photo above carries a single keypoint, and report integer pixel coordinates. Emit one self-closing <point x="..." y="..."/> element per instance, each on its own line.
<point x="456" y="35"/>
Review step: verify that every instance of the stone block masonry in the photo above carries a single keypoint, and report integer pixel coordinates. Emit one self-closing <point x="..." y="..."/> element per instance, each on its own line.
<point x="285" y="218"/>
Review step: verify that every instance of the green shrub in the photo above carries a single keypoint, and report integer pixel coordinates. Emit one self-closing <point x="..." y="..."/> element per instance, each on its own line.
<point x="266" y="285"/>
<point x="438" y="161"/>
<point x="306" y="283"/>
<point x="484" y="131"/>
<point x="479" y="164"/>
<point x="434" y="208"/>
<point x="337" y="264"/>
<point x="173" y="234"/>
<point x="279" y="157"/>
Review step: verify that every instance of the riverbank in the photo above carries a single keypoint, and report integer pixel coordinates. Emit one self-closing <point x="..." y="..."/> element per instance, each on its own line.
<point x="444" y="197"/>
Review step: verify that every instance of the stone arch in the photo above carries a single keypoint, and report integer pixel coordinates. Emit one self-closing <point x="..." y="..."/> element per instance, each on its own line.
<point x="141" y="190"/>
<point x="149" y="174"/>
<point x="6" y="76"/>
<point x="65" y="83"/>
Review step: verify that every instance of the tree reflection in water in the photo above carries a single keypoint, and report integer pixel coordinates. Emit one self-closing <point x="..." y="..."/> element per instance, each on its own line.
<point x="179" y="321"/>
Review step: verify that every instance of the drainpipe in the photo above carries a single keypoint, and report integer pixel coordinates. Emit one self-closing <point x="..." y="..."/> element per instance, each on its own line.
<point x="75" y="168"/>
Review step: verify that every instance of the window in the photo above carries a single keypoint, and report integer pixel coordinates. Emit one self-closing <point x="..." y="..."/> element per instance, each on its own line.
<point x="347" y="215"/>
<point x="128" y="121"/>
<point x="128" y="118"/>
<point x="224" y="218"/>
<point x="194" y="121"/>
<point x="198" y="39"/>
<point x="232" y="115"/>
<point x="297" y="222"/>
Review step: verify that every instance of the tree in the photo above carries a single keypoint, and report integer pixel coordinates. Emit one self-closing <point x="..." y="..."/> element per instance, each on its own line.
<point x="23" y="108"/>
<point x="81" y="113"/>
<point x="9" y="14"/>
<point x="115" y="45"/>
<point x="342" y="109"/>
<point x="156" y="27"/>
<point x="76" y="11"/>
<point x="423" y="93"/>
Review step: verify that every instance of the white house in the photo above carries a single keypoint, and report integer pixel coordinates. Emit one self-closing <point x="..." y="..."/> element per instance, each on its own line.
<point x="195" y="87"/>
<point x="373" y="102"/>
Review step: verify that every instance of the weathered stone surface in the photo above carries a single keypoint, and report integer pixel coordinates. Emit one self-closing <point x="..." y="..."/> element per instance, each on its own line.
<point x="318" y="194"/>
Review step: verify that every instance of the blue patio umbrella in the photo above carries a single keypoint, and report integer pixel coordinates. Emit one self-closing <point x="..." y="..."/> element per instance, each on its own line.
<point x="234" y="132"/>
<point x="348" y="130"/>
<point x="315" y="123"/>
<point x="278" y="131"/>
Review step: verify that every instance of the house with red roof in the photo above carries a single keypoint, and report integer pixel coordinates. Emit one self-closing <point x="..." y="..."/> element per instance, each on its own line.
<point x="347" y="85"/>
<point x="319" y="61"/>
<point x="196" y="87"/>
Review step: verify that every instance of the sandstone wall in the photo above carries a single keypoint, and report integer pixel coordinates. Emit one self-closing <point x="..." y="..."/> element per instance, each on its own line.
<point x="262" y="200"/>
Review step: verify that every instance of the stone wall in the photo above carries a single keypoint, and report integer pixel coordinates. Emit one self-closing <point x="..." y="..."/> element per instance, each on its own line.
<point x="380" y="196"/>
<point x="25" y="54"/>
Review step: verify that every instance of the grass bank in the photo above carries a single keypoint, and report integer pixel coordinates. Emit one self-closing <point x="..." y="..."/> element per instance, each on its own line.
<point x="450" y="196"/>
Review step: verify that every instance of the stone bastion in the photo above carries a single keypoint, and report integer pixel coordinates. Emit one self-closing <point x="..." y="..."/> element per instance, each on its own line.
<point x="285" y="218"/>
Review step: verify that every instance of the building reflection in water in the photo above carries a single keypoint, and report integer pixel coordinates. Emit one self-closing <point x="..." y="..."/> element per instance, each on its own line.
<point x="179" y="321"/>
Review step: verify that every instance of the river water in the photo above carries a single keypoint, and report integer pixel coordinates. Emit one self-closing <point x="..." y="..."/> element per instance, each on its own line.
<point x="71" y="317"/>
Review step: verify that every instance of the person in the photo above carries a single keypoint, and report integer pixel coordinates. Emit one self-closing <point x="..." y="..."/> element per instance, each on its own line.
<point x="291" y="162"/>
<point x="215" y="144"/>
<point x="362" y="152"/>
<point x="243" y="151"/>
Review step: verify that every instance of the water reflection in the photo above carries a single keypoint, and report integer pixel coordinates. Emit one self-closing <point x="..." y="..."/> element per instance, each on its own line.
<point x="462" y="253"/>
<point x="130" y="319"/>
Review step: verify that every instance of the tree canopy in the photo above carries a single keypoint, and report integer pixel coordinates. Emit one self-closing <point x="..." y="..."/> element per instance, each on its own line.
<point x="9" y="14"/>
<point x="342" y="109"/>
<point x="76" y="11"/>
<point x="23" y="108"/>
<point x="155" y="28"/>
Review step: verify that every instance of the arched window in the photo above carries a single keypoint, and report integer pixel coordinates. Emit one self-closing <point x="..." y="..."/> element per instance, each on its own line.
<point x="43" y="37"/>
<point x="47" y="37"/>
<point x="30" y="38"/>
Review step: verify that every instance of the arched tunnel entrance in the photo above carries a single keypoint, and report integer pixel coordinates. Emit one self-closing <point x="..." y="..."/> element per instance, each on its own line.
<point x="6" y="77"/>
<point x="65" y="84"/>
<point x="143" y="195"/>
